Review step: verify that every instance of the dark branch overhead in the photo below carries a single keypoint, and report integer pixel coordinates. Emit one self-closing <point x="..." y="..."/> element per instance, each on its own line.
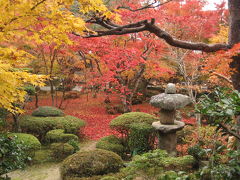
<point x="145" y="25"/>
<point x="154" y="4"/>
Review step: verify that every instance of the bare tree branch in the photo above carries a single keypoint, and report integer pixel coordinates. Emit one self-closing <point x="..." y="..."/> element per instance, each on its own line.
<point x="148" y="6"/>
<point x="150" y="26"/>
<point x="229" y="131"/>
<point x="223" y="77"/>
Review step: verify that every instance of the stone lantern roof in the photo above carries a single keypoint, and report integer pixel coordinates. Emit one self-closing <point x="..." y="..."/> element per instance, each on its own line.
<point x="169" y="100"/>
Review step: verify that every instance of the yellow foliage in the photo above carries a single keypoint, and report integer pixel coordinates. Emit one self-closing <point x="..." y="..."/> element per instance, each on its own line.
<point x="222" y="36"/>
<point x="18" y="18"/>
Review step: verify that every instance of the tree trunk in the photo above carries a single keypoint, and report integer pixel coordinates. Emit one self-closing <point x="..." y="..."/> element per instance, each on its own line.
<point x="52" y="91"/>
<point x="234" y="38"/>
<point x="63" y="94"/>
<point x="234" y="28"/>
<point x="37" y="90"/>
<point x="36" y="100"/>
<point x="16" y="127"/>
<point x="125" y="103"/>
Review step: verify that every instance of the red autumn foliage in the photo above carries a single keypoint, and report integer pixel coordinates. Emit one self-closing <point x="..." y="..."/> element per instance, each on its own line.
<point x="93" y="112"/>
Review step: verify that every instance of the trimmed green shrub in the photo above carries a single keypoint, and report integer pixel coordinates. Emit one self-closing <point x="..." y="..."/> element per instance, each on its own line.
<point x="111" y="143"/>
<point x="58" y="135"/>
<point x="139" y="138"/>
<point x="90" y="163"/>
<point x="138" y="123"/>
<point x="124" y="121"/>
<point x="47" y="111"/>
<point x="74" y="144"/>
<point x="61" y="150"/>
<point x="29" y="141"/>
<point x="39" y="126"/>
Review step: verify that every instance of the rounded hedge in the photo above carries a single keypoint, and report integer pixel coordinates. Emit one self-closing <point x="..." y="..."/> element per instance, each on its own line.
<point x="61" y="150"/>
<point x="58" y="135"/>
<point x="124" y="121"/>
<point x="139" y="138"/>
<point x="111" y="143"/>
<point x="39" y="126"/>
<point x="28" y="140"/>
<point x="47" y="111"/>
<point x="90" y="163"/>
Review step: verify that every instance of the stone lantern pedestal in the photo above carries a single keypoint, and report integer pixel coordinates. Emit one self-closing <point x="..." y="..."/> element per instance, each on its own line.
<point x="167" y="127"/>
<point x="167" y="135"/>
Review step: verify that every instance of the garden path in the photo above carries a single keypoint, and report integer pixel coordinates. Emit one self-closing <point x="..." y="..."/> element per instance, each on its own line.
<point x="46" y="171"/>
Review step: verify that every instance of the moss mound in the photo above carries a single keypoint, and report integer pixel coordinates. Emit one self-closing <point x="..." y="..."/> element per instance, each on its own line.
<point x="30" y="141"/>
<point x="58" y="135"/>
<point x="157" y="162"/>
<point x="90" y="163"/>
<point x="111" y="143"/>
<point x="124" y="121"/>
<point x="39" y="126"/>
<point x="47" y="111"/>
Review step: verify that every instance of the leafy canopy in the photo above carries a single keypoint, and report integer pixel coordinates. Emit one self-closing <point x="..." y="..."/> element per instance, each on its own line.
<point x="48" y="21"/>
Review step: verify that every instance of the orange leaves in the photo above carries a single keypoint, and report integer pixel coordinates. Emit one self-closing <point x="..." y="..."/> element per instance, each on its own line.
<point x="157" y="69"/>
<point x="217" y="64"/>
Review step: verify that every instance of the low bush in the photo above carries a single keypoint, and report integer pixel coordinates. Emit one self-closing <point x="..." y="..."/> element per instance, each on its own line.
<point x="153" y="164"/>
<point x="136" y="127"/>
<point x="140" y="138"/>
<point x="111" y="143"/>
<point x="219" y="169"/>
<point x="30" y="142"/>
<point x="74" y="144"/>
<point x="47" y="111"/>
<point x="187" y="131"/>
<point x="172" y="175"/>
<point x="12" y="154"/>
<point x="39" y="126"/>
<point x="58" y="135"/>
<point x="90" y="163"/>
<point x="124" y="121"/>
<point x="197" y="152"/>
<point x="61" y="150"/>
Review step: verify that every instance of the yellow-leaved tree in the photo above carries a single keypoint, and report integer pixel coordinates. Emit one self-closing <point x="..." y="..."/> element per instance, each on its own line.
<point x="20" y="19"/>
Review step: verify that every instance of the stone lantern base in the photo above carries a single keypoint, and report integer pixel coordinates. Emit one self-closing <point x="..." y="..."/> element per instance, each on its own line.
<point x="167" y="135"/>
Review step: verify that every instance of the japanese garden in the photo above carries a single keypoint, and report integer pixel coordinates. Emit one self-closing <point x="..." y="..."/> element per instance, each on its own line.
<point x="119" y="90"/>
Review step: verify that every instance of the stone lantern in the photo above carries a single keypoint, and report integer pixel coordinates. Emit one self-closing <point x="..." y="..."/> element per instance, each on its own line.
<point x="167" y="127"/>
